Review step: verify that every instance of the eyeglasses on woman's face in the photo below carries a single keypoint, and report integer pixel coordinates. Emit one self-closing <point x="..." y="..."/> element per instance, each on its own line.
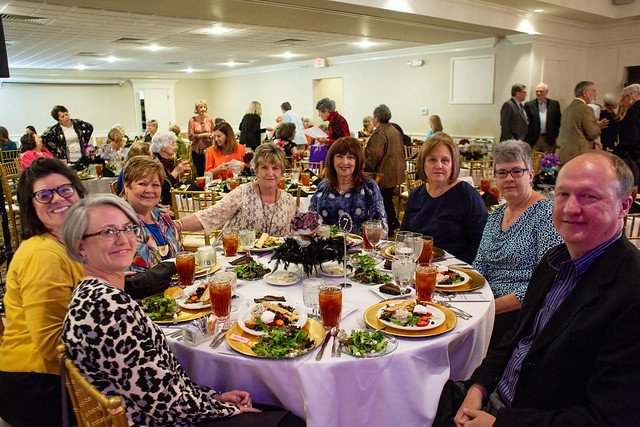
<point x="515" y="173"/>
<point x="46" y="196"/>
<point x="114" y="233"/>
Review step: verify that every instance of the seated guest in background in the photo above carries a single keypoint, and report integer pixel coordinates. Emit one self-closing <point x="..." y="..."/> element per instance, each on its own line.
<point x="113" y="153"/>
<point x="345" y="189"/>
<point x="200" y="134"/>
<point x="40" y="281"/>
<point x="152" y="128"/>
<point x="516" y="236"/>
<point x="5" y="142"/>
<point x="384" y="154"/>
<point x="138" y="148"/>
<point x="571" y="359"/>
<point x="69" y="139"/>
<point x="32" y="148"/>
<point x="158" y="238"/>
<point x="127" y="354"/>
<point x="284" y="139"/>
<point x="338" y="126"/>
<point x="450" y="210"/>
<point x="367" y="127"/>
<point x="260" y="205"/>
<point x="435" y="125"/>
<point x="221" y="154"/>
<point x="609" y="135"/>
<point x="163" y="147"/>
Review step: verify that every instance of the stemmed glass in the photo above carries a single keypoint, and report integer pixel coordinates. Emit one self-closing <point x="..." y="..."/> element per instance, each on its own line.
<point x="373" y="231"/>
<point x="248" y="238"/>
<point x="415" y="241"/>
<point x="403" y="268"/>
<point x="403" y="245"/>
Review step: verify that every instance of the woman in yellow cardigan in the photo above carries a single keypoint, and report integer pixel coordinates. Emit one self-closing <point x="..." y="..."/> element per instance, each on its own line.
<point x="40" y="280"/>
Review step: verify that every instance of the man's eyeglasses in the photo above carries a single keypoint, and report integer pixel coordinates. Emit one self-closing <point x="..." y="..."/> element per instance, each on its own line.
<point x="114" y="233"/>
<point x="46" y="196"/>
<point x="515" y="172"/>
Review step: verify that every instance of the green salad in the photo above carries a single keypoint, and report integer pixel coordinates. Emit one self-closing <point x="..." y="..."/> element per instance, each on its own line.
<point x="251" y="270"/>
<point x="364" y="343"/>
<point x="280" y="342"/>
<point x="365" y="271"/>
<point x="159" y="308"/>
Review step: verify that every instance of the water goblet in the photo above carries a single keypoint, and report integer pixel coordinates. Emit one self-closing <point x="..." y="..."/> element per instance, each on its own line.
<point x="373" y="231"/>
<point x="310" y="295"/>
<point x="248" y="238"/>
<point x="403" y="268"/>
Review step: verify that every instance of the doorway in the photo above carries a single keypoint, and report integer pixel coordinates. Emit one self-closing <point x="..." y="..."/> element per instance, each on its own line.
<point x="327" y="88"/>
<point x="154" y="100"/>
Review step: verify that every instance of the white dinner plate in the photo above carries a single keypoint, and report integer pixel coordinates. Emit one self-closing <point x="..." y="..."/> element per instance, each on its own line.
<point x="188" y="291"/>
<point x="282" y="278"/>
<point x="245" y="315"/>
<point x="464" y="275"/>
<point x="332" y="269"/>
<point x="437" y="319"/>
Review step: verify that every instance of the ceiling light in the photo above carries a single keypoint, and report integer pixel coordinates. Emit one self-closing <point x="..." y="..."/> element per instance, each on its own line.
<point x="189" y="70"/>
<point x="365" y="43"/>
<point x="231" y="64"/>
<point x="538" y="10"/>
<point x="218" y="29"/>
<point x="154" y="47"/>
<point x="81" y="67"/>
<point x="112" y="58"/>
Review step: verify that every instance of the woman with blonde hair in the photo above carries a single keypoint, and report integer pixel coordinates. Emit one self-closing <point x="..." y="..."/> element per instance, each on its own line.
<point x="200" y="134"/>
<point x="250" y="129"/>
<point x="221" y="155"/>
<point x="435" y="125"/>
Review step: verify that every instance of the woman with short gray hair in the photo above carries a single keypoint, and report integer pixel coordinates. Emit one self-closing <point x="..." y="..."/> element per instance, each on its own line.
<point x="338" y="126"/>
<point x="163" y="147"/>
<point x="516" y="236"/>
<point x="259" y="205"/>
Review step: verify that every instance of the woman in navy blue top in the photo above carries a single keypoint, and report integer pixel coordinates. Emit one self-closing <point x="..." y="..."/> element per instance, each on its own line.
<point x="345" y="189"/>
<point x="449" y="210"/>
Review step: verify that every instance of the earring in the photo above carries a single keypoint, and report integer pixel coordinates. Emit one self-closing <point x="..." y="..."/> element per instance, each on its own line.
<point x="84" y="261"/>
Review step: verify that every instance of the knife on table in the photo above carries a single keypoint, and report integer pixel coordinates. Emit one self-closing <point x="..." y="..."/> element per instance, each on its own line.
<point x="324" y="344"/>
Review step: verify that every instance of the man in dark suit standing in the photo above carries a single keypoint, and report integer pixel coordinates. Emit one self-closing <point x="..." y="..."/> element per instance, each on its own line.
<point x="544" y="120"/>
<point x="513" y="120"/>
<point x="572" y="357"/>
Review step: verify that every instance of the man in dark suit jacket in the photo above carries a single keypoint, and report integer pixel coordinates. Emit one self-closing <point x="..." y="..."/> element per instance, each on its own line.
<point x="544" y="120"/>
<point x="629" y="147"/>
<point x="513" y="120"/>
<point x="572" y="357"/>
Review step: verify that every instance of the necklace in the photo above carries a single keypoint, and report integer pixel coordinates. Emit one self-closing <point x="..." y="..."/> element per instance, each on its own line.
<point x="161" y="242"/>
<point x="516" y="212"/>
<point x="343" y="188"/>
<point x="264" y="211"/>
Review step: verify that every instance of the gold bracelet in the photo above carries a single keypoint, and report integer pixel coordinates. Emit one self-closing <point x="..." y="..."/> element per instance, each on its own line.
<point x="181" y="226"/>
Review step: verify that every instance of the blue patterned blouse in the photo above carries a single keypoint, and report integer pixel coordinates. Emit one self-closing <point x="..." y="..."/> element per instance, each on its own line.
<point x="362" y="204"/>
<point x="148" y="250"/>
<point x="507" y="258"/>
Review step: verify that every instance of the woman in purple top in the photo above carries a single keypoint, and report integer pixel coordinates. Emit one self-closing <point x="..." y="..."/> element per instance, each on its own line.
<point x="450" y="210"/>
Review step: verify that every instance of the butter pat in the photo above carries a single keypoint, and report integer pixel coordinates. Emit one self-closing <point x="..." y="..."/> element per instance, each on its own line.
<point x="263" y="238"/>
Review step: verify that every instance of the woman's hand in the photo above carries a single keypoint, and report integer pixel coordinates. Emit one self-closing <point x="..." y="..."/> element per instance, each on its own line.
<point x="472" y="401"/>
<point x="239" y="398"/>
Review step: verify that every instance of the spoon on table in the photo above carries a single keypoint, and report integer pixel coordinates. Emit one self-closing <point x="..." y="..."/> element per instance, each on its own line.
<point x="334" y="333"/>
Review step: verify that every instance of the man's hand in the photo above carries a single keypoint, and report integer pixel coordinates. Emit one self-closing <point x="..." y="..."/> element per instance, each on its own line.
<point x="478" y="418"/>
<point x="473" y="401"/>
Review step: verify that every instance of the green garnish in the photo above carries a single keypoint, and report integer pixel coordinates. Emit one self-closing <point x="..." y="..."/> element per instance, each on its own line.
<point x="251" y="270"/>
<point x="363" y="261"/>
<point x="334" y="231"/>
<point x="283" y="342"/>
<point x="159" y="308"/>
<point x="361" y="343"/>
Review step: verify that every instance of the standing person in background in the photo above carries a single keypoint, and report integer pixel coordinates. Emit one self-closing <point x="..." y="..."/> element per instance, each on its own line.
<point x="201" y="135"/>
<point x="629" y="147"/>
<point x="69" y="138"/>
<point x="435" y="125"/>
<point x="250" y="129"/>
<point x="514" y="123"/>
<point x="163" y="147"/>
<point x="181" y="144"/>
<point x="385" y="154"/>
<point x="579" y="127"/>
<point x="5" y="142"/>
<point x="289" y="116"/>
<point x="226" y="149"/>
<point x="152" y="128"/>
<point x="609" y="135"/>
<point x="338" y="126"/>
<point x="544" y="120"/>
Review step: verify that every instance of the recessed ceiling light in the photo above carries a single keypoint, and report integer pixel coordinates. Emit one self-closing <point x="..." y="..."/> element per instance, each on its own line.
<point x="154" y="47"/>
<point x="231" y="63"/>
<point x="218" y="29"/>
<point x="112" y="58"/>
<point x="81" y="67"/>
<point x="190" y="70"/>
<point x="289" y="55"/>
<point x="365" y="43"/>
<point x="538" y="10"/>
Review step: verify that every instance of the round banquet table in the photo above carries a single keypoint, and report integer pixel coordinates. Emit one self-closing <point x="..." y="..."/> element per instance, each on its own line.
<point x="98" y="185"/>
<point x="401" y="388"/>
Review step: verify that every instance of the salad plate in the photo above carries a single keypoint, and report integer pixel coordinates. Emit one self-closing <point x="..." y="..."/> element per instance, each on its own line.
<point x="437" y="318"/>
<point x="476" y="281"/>
<point x="447" y="275"/>
<point x="203" y="300"/>
<point x="366" y="344"/>
<point x="282" y="278"/>
<point x="371" y="318"/>
<point x="274" y="307"/>
<point x="314" y="329"/>
<point x="389" y="252"/>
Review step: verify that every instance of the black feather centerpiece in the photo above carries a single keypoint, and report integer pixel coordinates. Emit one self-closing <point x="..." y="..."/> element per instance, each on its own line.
<point x="310" y="256"/>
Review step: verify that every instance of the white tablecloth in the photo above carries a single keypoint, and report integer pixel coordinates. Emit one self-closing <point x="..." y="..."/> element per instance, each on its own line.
<point x="98" y="185"/>
<point x="400" y="389"/>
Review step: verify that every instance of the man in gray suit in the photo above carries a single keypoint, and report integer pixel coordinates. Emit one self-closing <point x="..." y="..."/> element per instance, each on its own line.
<point x="579" y="128"/>
<point x="544" y="120"/>
<point x="513" y="120"/>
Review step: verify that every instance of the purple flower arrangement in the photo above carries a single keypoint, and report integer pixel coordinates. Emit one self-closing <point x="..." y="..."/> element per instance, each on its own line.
<point x="549" y="161"/>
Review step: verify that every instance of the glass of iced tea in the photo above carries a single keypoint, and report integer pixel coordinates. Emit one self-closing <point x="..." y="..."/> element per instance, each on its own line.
<point x="186" y="266"/>
<point x="427" y="250"/>
<point x="230" y="241"/>
<point x="305" y="178"/>
<point x="201" y="182"/>
<point x="425" y="282"/>
<point x="330" y="301"/>
<point x="220" y="293"/>
<point x="233" y="184"/>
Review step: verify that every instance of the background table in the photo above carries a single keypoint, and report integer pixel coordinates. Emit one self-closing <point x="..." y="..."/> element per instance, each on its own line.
<point x="401" y="388"/>
<point x="98" y="185"/>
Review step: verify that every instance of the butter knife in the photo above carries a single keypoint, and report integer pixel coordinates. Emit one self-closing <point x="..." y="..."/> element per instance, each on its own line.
<point x="324" y="344"/>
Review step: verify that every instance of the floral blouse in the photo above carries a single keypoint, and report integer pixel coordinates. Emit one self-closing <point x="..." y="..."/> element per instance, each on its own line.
<point x="507" y="258"/>
<point x="199" y="144"/>
<point x="362" y="204"/>
<point x="243" y="208"/>
<point x="122" y="352"/>
<point x="148" y="251"/>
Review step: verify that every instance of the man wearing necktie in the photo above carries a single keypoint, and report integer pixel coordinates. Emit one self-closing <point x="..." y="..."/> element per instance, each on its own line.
<point x="544" y="120"/>
<point x="514" y="123"/>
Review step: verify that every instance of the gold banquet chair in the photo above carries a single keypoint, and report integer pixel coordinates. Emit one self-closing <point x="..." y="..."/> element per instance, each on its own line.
<point x="92" y="408"/>
<point x="9" y="173"/>
<point x="7" y="156"/>
<point x="185" y="202"/>
<point x="315" y="167"/>
<point x="632" y="228"/>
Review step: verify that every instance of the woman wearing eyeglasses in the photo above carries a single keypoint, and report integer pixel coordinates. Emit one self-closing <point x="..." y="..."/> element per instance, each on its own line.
<point x="446" y="208"/>
<point x="40" y="281"/>
<point x="516" y="236"/>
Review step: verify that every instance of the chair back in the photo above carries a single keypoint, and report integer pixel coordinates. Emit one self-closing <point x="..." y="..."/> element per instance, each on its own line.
<point x="535" y="160"/>
<point x="113" y="186"/>
<point x="9" y="155"/>
<point x="185" y="202"/>
<point x="91" y="407"/>
<point x="315" y="167"/>
<point x="632" y="228"/>
<point x="9" y="173"/>
<point x="411" y="151"/>
<point x="374" y="176"/>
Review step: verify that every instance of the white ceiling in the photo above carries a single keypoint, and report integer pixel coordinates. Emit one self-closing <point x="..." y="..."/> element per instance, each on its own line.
<point x="86" y="32"/>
